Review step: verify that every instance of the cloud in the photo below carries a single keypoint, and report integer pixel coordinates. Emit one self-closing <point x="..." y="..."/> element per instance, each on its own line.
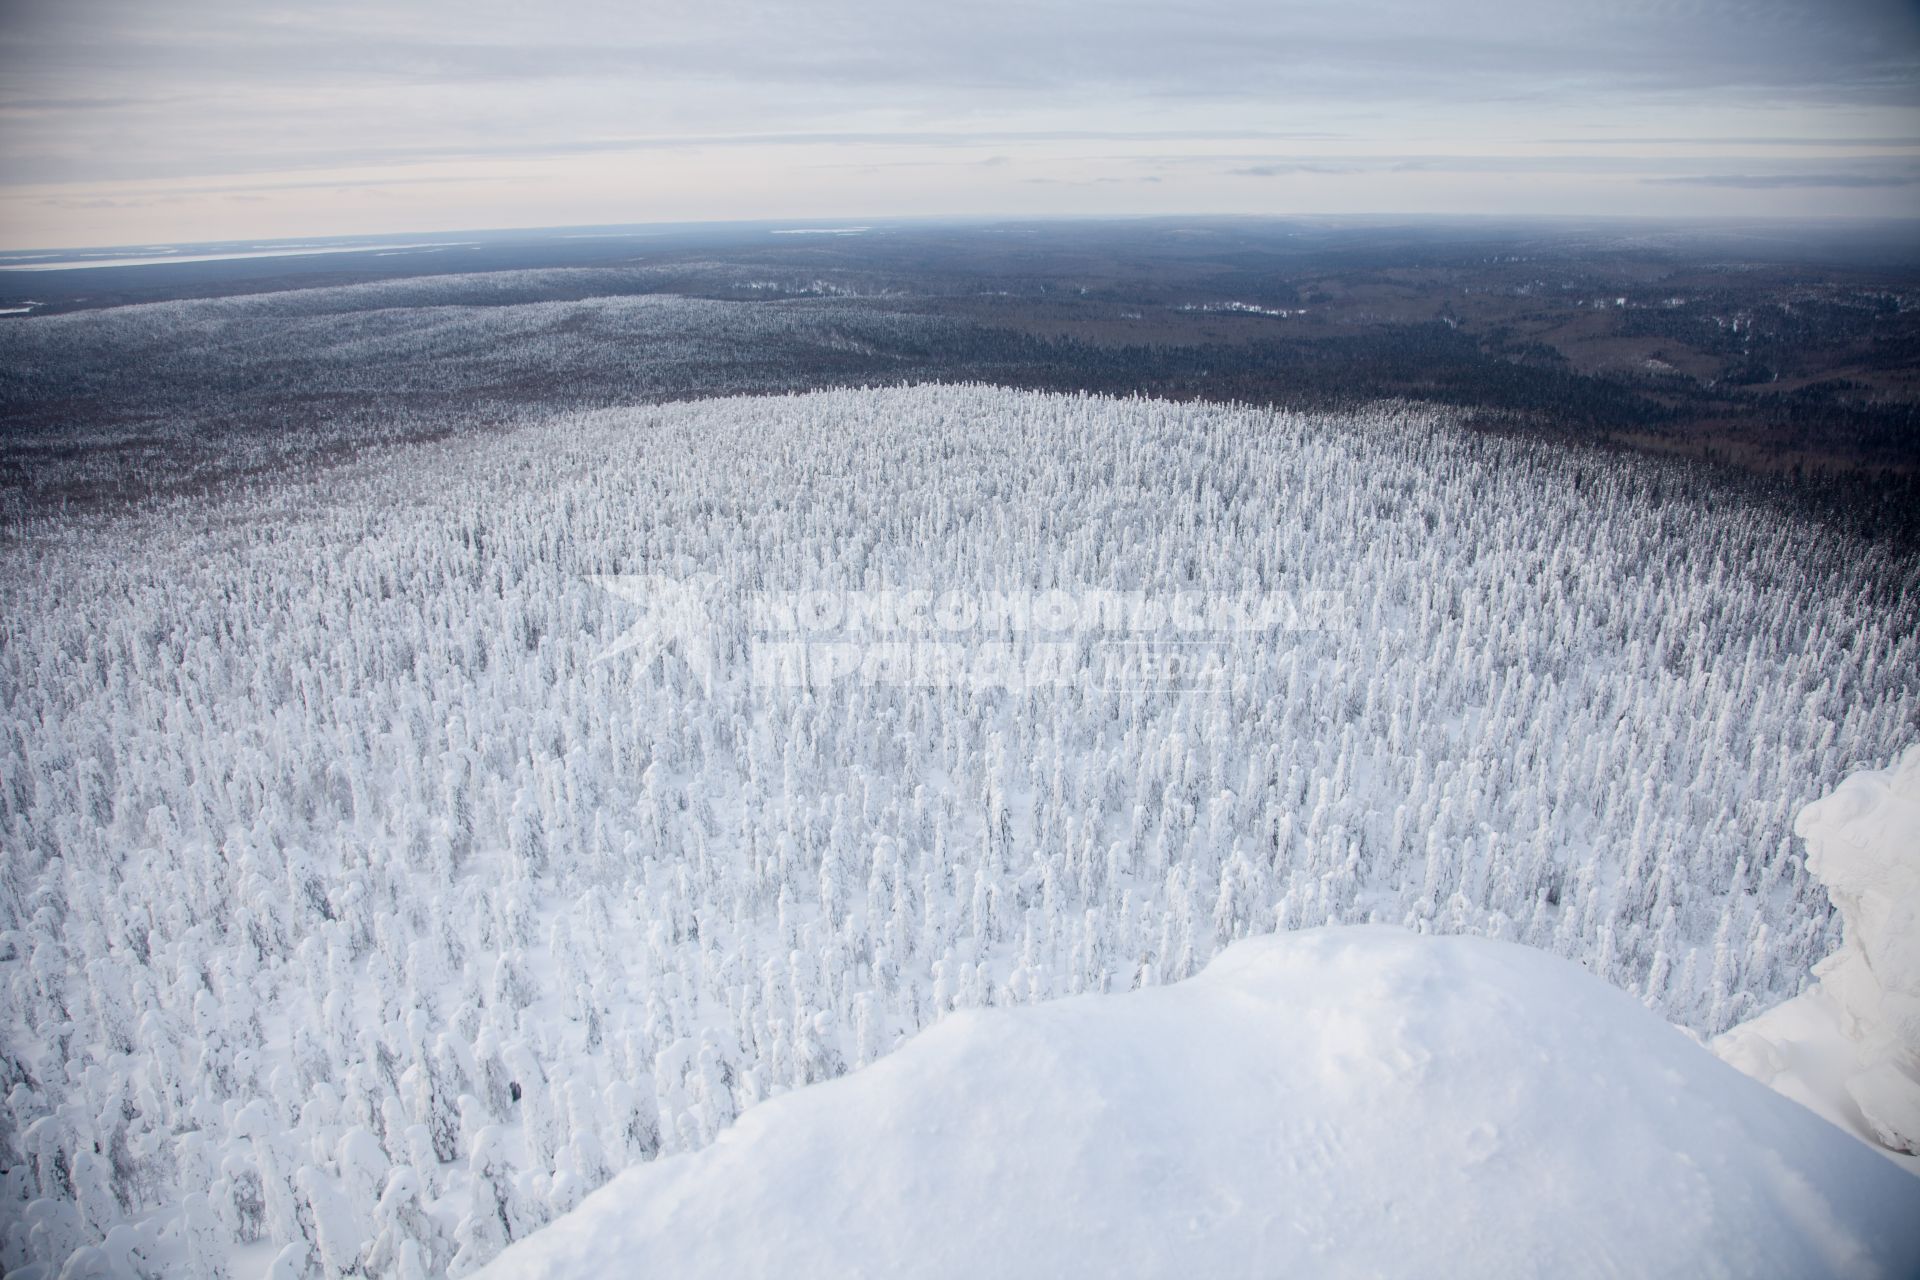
<point x="98" y="202"/>
<point x="1384" y="49"/>
<point x="1788" y="181"/>
<point x="1282" y="170"/>
<point x="1776" y="140"/>
<point x="148" y="165"/>
<point x="37" y="106"/>
<point x="738" y="94"/>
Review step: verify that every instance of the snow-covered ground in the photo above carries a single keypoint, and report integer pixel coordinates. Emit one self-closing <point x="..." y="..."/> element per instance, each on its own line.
<point x="1849" y="1048"/>
<point x="1354" y="1101"/>
<point x="346" y="873"/>
<point x="103" y="259"/>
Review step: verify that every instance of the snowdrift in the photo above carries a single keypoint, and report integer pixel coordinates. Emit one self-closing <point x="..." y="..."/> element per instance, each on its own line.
<point x="1847" y="1047"/>
<point x="1345" y="1101"/>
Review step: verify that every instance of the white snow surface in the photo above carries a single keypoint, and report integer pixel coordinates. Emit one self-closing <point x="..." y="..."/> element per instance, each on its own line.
<point x="157" y="259"/>
<point x="1847" y="1047"/>
<point x="1343" y="1101"/>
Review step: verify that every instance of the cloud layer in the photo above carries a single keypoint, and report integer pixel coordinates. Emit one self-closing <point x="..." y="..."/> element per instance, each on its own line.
<point x="588" y="111"/>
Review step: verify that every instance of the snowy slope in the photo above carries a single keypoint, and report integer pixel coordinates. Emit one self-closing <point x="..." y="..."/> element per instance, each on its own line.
<point x="1846" y="1047"/>
<point x="1345" y="1101"/>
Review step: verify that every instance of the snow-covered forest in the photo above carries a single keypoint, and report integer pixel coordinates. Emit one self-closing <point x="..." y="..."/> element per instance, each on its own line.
<point x="357" y="918"/>
<point x="170" y="394"/>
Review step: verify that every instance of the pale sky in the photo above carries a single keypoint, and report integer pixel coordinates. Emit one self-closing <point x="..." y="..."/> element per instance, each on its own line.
<point x="162" y="121"/>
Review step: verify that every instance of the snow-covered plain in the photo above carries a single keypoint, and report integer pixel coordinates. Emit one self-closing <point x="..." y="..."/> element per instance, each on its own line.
<point x="57" y="263"/>
<point x="1355" y="1101"/>
<point x="356" y="914"/>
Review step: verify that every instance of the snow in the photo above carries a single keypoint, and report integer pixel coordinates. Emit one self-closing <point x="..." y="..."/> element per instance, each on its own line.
<point x="1242" y="308"/>
<point x="297" y="251"/>
<point x="1845" y="1047"/>
<point x="332" y="827"/>
<point x="1343" y="1101"/>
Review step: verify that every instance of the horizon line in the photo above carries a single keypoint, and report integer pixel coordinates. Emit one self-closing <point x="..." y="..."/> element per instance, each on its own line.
<point x="17" y="259"/>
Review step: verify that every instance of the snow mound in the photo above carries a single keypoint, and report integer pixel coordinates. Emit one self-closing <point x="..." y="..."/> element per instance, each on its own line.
<point x="1848" y="1047"/>
<point x="1346" y="1101"/>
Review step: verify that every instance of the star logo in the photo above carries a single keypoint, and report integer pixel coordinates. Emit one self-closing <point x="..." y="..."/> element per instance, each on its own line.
<point x="674" y="619"/>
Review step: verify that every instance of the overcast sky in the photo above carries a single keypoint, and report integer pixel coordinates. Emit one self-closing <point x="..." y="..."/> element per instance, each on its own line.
<point x="139" y="121"/>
